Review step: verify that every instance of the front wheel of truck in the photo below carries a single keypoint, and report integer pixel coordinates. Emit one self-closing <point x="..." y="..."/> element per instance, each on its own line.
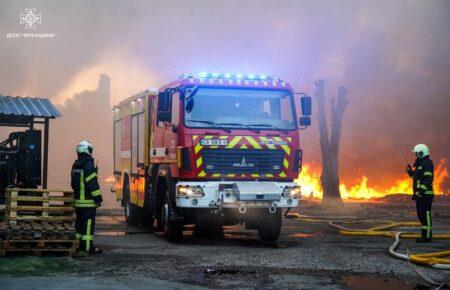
<point x="270" y="227"/>
<point x="172" y="228"/>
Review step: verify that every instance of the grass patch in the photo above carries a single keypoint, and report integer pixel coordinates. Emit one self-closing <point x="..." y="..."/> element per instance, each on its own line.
<point x="24" y="266"/>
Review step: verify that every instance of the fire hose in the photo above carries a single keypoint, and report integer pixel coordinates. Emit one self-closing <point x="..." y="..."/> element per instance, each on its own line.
<point x="435" y="260"/>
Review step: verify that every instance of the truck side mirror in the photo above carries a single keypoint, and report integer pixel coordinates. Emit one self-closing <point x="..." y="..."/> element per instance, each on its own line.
<point x="306" y="104"/>
<point x="189" y="105"/>
<point x="305" y="121"/>
<point x="164" y="106"/>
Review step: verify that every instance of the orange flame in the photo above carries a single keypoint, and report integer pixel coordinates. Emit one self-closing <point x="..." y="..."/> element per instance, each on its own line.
<point x="309" y="180"/>
<point x="109" y="179"/>
<point x="311" y="188"/>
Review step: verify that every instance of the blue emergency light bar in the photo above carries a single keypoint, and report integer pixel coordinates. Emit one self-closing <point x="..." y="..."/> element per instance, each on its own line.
<point x="206" y="75"/>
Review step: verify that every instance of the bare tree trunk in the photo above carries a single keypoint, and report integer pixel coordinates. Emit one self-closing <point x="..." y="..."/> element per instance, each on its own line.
<point x="330" y="144"/>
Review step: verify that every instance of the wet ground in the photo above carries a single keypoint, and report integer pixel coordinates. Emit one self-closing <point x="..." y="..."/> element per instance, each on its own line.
<point x="307" y="256"/>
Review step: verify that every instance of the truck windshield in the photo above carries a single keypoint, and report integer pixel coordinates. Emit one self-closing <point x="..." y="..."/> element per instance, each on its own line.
<point x="240" y="109"/>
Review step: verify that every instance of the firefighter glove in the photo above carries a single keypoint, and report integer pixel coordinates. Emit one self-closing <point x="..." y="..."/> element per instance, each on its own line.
<point x="409" y="169"/>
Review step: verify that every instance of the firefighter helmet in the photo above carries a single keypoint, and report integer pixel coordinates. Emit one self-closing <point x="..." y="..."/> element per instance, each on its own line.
<point x="85" y="147"/>
<point x="421" y="150"/>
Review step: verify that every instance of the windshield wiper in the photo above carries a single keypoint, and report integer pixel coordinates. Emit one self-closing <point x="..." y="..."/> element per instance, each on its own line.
<point x="210" y="123"/>
<point x="270" y="126"/>
<point x="242" y="125"/>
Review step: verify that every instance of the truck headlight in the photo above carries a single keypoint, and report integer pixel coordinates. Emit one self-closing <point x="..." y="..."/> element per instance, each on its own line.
<point x="189" y="191"/>
<point x="291" y="191"/>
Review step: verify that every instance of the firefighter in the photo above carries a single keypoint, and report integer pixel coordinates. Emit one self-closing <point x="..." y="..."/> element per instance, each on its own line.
<point x="87" y="196"/>
<point x="423" y="194"/>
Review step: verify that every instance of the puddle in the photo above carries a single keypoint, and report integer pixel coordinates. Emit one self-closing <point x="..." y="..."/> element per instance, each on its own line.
<point x="376" y="283"/>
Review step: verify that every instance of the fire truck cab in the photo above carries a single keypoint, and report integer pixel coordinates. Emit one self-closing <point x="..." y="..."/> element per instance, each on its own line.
<point x="210" y="150"/>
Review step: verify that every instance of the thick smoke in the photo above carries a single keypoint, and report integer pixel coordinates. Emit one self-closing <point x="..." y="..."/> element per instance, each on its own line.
<point x="394" y="56"/>
<point x="74" y="126"/>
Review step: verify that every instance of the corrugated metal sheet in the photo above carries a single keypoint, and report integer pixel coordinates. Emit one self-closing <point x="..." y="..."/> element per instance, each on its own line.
<point x="35" y="107"/>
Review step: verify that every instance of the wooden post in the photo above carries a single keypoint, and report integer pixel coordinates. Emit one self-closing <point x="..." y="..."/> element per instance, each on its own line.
<point x="330" y="144"/>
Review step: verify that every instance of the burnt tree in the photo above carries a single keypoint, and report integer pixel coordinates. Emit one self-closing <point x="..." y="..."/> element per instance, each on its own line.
<point x="329" y="143"/>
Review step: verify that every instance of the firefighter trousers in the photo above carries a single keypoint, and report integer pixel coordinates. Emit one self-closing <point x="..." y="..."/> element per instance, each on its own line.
<point x="423" y="206"/>
<point x="85" y="226"/>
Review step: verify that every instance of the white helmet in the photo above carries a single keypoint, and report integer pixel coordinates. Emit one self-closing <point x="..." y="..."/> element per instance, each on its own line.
<point x="421" y="150"/>
<point x="85" y="147"/>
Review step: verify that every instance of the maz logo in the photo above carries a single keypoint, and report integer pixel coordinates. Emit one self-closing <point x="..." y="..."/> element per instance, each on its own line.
<point x="244" y="164"/>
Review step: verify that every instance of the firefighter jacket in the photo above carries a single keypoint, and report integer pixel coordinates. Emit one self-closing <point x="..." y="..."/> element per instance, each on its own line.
<point x="422" y="175"/>
<point x="85" y="183"/>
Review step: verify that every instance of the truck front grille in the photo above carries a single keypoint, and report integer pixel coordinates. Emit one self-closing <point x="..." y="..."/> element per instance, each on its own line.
<point x="242" y="161"/>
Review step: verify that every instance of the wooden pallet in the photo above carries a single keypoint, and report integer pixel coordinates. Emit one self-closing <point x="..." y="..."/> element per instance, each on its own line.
<point x="38" y="252"/>
<point x="28" y="194"/>
<point x="14" y="217"/>
<point x="43" y="226"/>
<point x="62" y="244"/>
<point x="38" y="205"/>
<point x="31" y="230"/>
<point x="12" y="192"/>
<point x="38" y="222"/>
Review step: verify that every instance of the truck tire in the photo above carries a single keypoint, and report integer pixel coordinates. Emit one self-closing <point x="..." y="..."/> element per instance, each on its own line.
<point x="147" y="218"/>
<point x="270" y="228"/>
<point x="172" y="228"/>
<point x="147" y="212"/>
<point x="132" y="211"/>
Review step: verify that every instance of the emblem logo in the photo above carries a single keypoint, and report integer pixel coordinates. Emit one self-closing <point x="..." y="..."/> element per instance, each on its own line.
<point x="30" y="18"/>
<point x="244" y="163"/>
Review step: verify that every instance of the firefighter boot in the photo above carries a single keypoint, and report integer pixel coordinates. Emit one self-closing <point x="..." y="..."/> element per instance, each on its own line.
<point x="424" y="238"/>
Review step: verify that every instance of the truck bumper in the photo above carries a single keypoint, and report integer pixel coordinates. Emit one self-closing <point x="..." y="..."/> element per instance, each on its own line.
<point x="238" y="194"/>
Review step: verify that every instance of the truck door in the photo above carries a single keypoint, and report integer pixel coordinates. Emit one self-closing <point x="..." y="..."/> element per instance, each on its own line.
<point x="170" y="138"/>
<point x="164" y="138"/>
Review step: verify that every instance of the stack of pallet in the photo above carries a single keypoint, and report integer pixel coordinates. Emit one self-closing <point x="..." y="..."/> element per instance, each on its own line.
<point x="39" y="222"/>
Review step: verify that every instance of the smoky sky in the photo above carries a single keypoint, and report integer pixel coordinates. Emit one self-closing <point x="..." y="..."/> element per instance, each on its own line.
<point x="394" y="56"/>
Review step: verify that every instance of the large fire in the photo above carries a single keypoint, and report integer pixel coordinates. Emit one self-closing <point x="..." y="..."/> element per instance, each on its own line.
<point x="309" y="180"/>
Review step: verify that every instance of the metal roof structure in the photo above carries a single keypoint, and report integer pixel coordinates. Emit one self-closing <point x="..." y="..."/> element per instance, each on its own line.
<point x="29" y="107"/>
<point x="29" y="112"/>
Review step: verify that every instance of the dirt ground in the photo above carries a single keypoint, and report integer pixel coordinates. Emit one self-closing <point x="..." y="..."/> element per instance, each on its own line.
<point x="307" y="256"/>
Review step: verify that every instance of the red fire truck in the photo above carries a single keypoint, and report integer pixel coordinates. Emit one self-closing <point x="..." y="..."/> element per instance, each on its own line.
<point x="210" y="150"/>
